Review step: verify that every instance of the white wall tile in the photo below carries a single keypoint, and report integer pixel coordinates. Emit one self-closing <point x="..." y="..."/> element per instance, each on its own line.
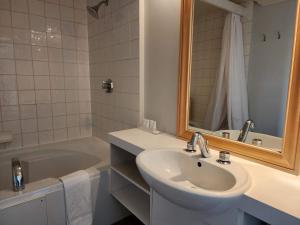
<point x="19" y="6"/>
<point x="30" y="139"/>
<point x="7" y="66"/>
<point x="68" y="3"/>
<point x="43" y="96"/>
<point x="58" y="96"/>
<point x="52" y="11"/>
<point x="27" y="111"/>
<point x="73" y="132"/>
<point x="44" y="110"/>
<point x="29" y="125"/>
<point x="45" y="124"/>
<point x="25" y="82"/>
<point x="39" y="53"/>
<point x="54" y="40"/>
<point x="70" y="56"/>
<point x="60" y="135"/>
<point x="45" y="137"/>
<point x="59" y="122"/>
<point x="6" y="51"/>
<point x="57" y="83"/>
<point x="113" y="50"/>
<point x="8" y="98"/>
<point x="69" y="42"/>
<point x="26" y="97"/>
<point x="5" y="18"/>
<point x="20" y="20"/>
<point x="56" y="68"/>
<point x="24" y="67"/>
<point x="36" y="7"/>
<point x="42" y="82"/>
<point x="72" y="108"/>
<point x="80" y="4"/>
<point x="22" y="51"/>
<point x="55" y="55"/>
<point x="59" y="109"/>
<point x="21" y="36"/>
<point x="43" y="52"/>
<point x="80" y="16"/>
<point x="40" y="68"/>
<point x="10" y="113"/>
<point x="4" y="4"/>
<point x="13" y="126"/>
<point x="38" y="38"/>
<point x="67" y="14"/>
<point x="8" y="83"/>
<point x="6" y="34"/>
<point x="73" y="120"/>
<point x="38" y="23"/>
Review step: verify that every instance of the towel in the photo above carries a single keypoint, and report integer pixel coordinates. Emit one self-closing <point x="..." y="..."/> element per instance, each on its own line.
<point x="78" y="200"/>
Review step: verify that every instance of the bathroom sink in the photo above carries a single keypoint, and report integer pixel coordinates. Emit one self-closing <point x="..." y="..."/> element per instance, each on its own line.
<point x="193" y="183"/>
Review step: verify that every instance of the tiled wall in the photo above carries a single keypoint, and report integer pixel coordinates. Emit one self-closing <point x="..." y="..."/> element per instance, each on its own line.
<point x="207" y="43"/>
<point x="44" y="71"/>
<point x="114" y="53"/>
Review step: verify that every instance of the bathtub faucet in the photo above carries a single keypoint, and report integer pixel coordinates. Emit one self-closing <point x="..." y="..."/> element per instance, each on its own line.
<point x="17" y="175"/>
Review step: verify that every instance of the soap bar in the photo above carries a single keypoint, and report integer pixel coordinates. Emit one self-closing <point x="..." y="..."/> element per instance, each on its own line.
<point x="5" y="137"/>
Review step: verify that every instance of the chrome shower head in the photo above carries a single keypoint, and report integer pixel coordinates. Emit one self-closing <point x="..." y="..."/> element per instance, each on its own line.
<point x="93" y="10"/>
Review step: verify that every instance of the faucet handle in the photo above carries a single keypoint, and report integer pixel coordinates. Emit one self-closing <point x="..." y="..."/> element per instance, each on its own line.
<point x="224" y="158"/>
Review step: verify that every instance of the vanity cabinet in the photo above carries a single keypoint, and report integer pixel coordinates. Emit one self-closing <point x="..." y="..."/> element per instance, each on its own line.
<point x="130" y="189"/>
<point x="165" y="212"/>
<point x="128" y="186"/>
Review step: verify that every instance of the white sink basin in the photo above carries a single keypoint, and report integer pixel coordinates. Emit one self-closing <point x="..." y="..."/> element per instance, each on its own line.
<point x="193" y="183"/>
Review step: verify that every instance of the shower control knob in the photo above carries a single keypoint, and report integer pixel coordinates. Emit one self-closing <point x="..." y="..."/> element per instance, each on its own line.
<point x="224" y="158"/>
<point x="108" y="85"/>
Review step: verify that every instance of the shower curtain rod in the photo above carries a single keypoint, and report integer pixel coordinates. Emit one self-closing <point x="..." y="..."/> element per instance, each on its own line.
<point x="229" y="6"/>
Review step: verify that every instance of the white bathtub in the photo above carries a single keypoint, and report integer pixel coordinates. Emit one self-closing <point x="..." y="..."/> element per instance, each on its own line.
<point x="42" y="202"/>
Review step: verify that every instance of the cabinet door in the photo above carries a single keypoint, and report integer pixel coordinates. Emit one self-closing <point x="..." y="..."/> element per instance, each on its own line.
<point x="165" y="212"/>
<point x="29" y="213"/>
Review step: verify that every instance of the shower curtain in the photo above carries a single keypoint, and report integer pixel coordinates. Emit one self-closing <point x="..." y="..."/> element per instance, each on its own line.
<point x="229" y="98"/>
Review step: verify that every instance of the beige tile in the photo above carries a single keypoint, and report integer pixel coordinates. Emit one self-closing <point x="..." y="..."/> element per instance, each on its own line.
<point x="5" y="18"/>
<point x="20" y="20"/>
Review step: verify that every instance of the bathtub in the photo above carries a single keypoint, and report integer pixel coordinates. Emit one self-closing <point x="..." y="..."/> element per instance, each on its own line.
<point x="42" y="201"/>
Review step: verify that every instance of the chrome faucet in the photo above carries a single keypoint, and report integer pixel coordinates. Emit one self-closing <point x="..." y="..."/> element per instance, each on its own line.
<point x="199" y="139"/>
<point x="17" y="175"/>
<point x="248" y="125"/>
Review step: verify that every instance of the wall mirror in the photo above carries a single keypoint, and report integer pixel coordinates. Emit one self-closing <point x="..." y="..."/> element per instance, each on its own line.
<point x="239" y="77"/>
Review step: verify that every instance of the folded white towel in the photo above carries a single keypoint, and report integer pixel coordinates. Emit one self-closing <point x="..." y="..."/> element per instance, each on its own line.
<point x="78" y="200"/>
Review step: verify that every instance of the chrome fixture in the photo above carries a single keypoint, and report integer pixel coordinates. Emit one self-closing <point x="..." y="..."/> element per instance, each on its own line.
<point x="199" y="139"/>
<point x="17" y="175"/>
<point x="249" y="124"/>
<point x="224" y="158"/>
<point x="226" y="135"/>
<point x="93" y="10"/>
<point x="108" y="85"/>
<point x="257" y="142"/>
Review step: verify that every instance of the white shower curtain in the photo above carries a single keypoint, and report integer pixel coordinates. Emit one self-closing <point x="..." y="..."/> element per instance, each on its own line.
<point x="229" y="98"/>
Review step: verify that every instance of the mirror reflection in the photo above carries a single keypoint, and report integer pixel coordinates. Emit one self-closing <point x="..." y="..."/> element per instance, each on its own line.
<point x="240" y="66"/>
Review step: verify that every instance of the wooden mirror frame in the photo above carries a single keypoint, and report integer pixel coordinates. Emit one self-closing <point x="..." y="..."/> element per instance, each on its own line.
<point x="289" y="159"/>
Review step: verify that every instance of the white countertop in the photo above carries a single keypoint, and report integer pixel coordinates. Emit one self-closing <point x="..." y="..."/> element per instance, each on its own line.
<point x="274" y="196"/>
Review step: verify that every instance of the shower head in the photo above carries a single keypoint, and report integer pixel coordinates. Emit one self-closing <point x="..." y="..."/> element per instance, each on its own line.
<point x="93" y="10"/>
